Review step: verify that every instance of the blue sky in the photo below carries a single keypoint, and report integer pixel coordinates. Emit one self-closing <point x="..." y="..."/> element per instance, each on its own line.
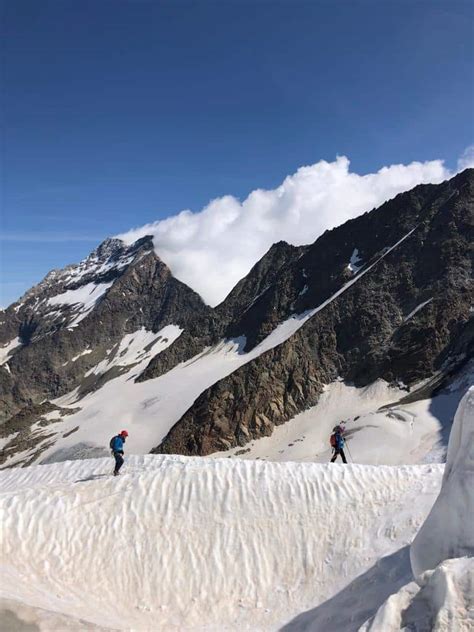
<point x="118" y="113"/>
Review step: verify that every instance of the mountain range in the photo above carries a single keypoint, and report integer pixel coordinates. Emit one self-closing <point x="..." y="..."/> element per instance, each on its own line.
<point x="117" y="340"/>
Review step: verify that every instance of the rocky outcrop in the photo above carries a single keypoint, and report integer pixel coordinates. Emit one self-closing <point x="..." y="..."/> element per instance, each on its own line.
<point x="400" y="321"/>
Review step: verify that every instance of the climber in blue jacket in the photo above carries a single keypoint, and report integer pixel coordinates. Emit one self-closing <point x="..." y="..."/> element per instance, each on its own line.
<point x="116" y="445"/>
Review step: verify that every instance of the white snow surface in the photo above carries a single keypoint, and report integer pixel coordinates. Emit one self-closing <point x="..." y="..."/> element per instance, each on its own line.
<point x="83" y="298"/>
<point x="442" y="563"/>
<point x="442" y="554"/>
<point x="449" y="529"/>
<point x="444" y="603"/>
<point x="136" y="347"/>
<point x="7" y="349"/>
<point x="380" y="430"/>
<point x="378" y="436"/>
<point x="191" y="544"/>
<point x="83" y="353"/>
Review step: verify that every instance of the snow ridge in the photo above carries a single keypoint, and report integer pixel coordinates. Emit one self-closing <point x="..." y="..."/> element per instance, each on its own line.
<point x="183" y="544"/>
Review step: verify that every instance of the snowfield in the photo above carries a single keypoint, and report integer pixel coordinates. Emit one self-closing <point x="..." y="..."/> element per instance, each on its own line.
<point x="378" y="430"/>
<point x="202" y="544"/>
<point x="181" y="543"/>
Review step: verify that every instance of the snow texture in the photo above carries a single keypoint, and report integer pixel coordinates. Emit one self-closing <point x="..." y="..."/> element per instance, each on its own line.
<point x="82" y="299"/>
<point x="448" y="531"/>
<point x="136" y="347"/>
<point x="444" y="603"/>
<point x="192" y="544"/>
<point x="442" y="554"/>
<point x="7" y="349"/>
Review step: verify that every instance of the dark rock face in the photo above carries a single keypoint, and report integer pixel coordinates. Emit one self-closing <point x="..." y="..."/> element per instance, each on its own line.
<point x="254" y="301"/>
<point x="371" y="330"/>
<point x="234" y="315"/>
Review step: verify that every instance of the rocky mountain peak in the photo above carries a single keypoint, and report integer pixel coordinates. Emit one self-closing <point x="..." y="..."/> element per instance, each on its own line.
<point x="110" y="247"/>
<point x="113" y="249"/>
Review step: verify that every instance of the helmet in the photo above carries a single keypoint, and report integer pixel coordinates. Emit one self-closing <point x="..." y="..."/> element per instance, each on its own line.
<point x="124" y="433"/>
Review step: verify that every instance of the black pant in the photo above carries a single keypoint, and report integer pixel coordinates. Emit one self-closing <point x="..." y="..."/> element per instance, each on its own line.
<point x="118" y="461"/>
<point x="341" y="452"/>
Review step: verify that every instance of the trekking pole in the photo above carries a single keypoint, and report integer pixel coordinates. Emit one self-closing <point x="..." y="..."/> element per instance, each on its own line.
<point x="347" y="444"/>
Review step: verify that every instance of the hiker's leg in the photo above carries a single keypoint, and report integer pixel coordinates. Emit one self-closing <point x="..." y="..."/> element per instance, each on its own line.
<point x="334" y="456"/>
<point x="343" y="456"/>
<point x="118" y="462"/>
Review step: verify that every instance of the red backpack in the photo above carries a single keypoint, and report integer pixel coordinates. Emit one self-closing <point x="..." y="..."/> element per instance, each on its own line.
<point x="333" y="440"/>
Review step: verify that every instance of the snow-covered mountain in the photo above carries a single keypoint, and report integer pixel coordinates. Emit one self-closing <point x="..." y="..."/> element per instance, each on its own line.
<point x="200" y="544"/>
<point x="372" y="322"/>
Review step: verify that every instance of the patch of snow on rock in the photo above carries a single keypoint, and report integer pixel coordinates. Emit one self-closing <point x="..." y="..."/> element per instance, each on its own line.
<point x="6" y="350"/>
<point x="136" y="347"/>
<point x="83" y="353"/>
<point x="83" y="298"/>
<point x="417" y="309"/>
<point x="353" y="263"/>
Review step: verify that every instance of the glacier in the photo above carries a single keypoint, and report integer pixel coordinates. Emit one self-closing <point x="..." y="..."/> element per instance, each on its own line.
<point x="203" y="544"/>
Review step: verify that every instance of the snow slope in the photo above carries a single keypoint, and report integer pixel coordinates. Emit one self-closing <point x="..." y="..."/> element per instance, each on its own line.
<point x="187" y="544"/>
<point x="379" y="429"/>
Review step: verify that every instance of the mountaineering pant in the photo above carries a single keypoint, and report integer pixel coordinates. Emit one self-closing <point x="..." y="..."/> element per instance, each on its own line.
<point x="341" y="452"/>
<point x="118" y="461"/>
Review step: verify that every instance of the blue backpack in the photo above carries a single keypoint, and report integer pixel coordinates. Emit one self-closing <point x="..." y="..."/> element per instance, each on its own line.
<point x="116" y="443"/>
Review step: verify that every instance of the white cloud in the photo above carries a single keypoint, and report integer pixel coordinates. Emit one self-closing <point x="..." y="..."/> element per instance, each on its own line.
<point x="213" y="249"/>
<point x="466" y="160"/>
